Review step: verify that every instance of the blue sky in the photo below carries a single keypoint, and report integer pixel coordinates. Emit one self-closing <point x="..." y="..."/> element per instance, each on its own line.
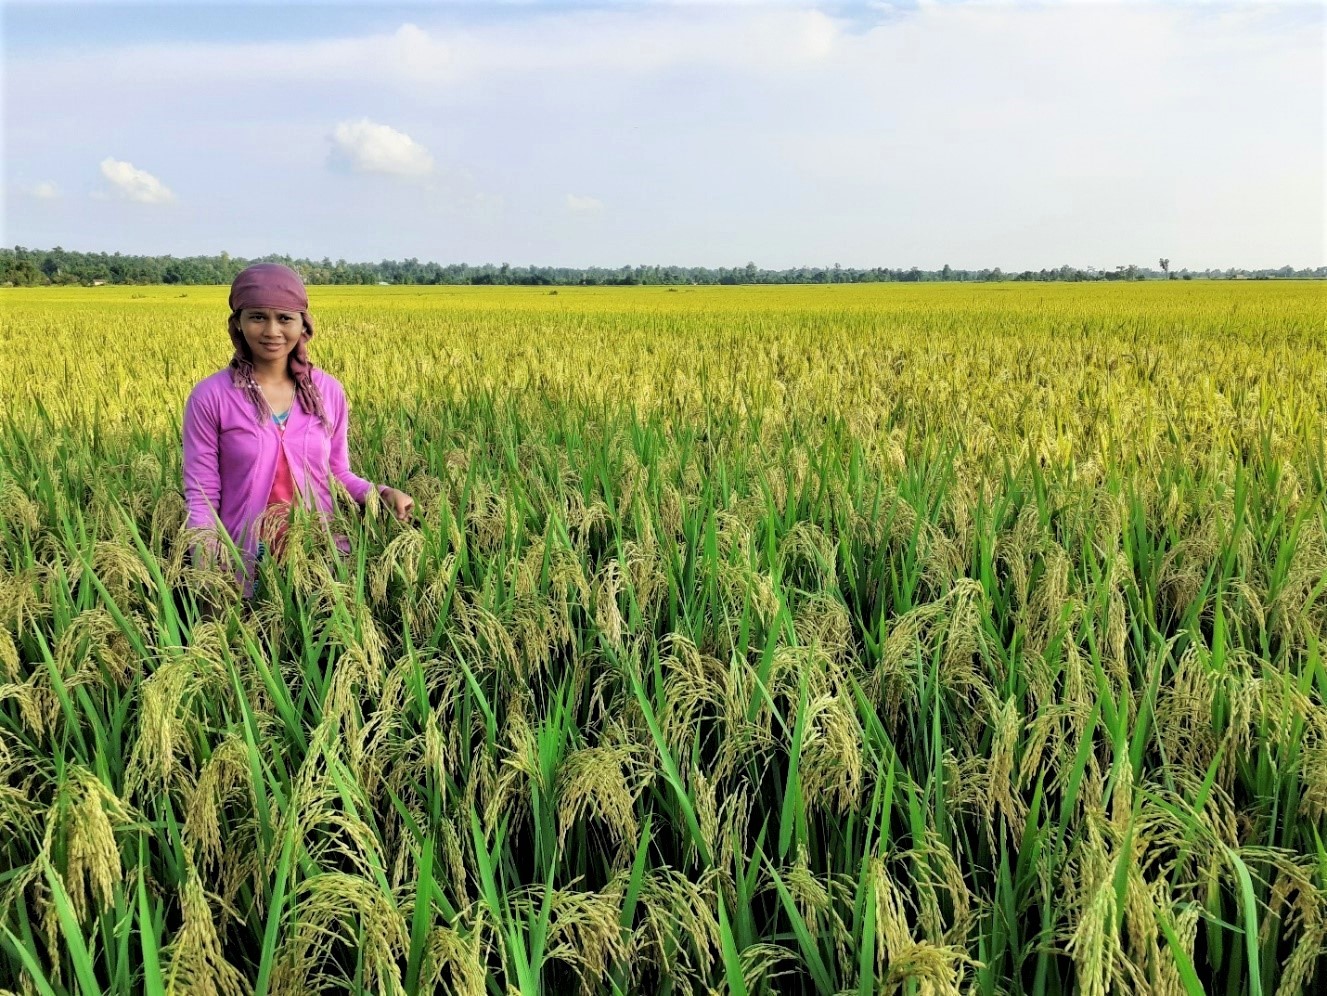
<point x="969" y="133"/>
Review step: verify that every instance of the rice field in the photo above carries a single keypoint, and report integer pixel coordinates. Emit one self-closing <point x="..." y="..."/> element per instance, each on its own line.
<point x="922" y="640"/>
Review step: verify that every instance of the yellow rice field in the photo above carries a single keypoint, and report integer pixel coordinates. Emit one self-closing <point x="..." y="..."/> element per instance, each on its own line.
<point x="938" y="639"/>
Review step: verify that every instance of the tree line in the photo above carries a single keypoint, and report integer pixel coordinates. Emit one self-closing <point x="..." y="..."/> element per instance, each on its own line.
<point x="22" y="267"/>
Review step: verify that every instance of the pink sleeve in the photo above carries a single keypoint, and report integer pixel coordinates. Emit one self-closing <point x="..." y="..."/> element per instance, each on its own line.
<point x="202" y="461"/>
<point x="335" y="400"/>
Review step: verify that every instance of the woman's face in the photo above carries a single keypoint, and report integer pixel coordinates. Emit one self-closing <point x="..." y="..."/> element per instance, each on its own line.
<point x="271" y="332"/>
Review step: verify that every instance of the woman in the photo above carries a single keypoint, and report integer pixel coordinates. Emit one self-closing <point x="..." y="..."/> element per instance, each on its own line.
<point x="269" y="430"/>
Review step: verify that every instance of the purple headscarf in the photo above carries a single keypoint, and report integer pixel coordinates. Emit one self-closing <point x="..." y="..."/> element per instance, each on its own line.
<point x="271" y="285"/>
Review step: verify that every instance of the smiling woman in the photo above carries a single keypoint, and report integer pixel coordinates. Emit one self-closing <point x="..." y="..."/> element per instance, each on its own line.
<point x="271" y="331"/>
<point x="251" y="452"/>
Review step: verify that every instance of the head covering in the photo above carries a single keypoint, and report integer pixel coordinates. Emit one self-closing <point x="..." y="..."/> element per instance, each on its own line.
<point x="272" y="285"/>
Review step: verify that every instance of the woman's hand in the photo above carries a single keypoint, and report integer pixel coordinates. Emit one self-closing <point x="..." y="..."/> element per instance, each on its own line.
<point x="210" y="551"/>
<point x="399" y="502"/>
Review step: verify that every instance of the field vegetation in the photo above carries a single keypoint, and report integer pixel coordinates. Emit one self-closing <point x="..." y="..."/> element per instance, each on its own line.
<point x="861" y="639"/>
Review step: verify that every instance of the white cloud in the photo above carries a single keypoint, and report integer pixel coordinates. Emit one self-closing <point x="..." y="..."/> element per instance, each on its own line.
<point x="579" y="204"/>
<point x="1105" y="129"/>
<point x="45" y="191"/>
<point x="135" y="184"/>
<point x="369" y="147"/>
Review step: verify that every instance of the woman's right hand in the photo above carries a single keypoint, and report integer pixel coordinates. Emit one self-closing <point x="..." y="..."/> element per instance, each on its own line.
<point x="211" y="551"/>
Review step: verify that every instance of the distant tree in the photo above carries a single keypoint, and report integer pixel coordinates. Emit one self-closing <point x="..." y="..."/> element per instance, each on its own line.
<point x="20" y="266"/>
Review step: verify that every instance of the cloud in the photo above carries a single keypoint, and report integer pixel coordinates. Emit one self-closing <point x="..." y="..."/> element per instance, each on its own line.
<point x="579" y="204"/>
<point x="135" y="184"/>
<point x="368" y="147"/>
<point x="45" y="191"/>
<point x="1107" y="128"/>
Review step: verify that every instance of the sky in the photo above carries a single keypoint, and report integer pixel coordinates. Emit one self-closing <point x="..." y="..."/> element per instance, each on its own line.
<point x="972" y="133"/>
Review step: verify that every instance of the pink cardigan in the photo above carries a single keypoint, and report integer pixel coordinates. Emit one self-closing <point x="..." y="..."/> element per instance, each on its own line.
<point x="230" y="458"/>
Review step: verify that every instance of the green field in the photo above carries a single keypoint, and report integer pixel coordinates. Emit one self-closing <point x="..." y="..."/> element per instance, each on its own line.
<point x="934" y="639"/>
